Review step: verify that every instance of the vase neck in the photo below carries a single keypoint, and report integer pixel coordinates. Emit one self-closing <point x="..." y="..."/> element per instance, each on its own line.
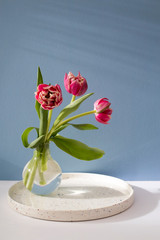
<point x="46" y="145"/>
<point x="43" y="149"/>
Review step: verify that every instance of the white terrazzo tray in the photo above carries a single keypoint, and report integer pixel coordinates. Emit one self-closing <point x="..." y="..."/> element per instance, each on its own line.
<point x="80" y="197"/>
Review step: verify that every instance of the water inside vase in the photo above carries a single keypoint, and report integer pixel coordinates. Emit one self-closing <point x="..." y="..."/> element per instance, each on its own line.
<point x="48" y="187"/>
<point x="52" y="177"/>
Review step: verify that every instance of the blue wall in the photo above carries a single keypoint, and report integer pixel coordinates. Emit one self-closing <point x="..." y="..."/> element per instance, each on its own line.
<point x="116" y="46"/>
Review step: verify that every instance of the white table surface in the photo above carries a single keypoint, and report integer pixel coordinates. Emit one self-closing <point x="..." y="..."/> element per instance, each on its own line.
<point x="140" y="222"/>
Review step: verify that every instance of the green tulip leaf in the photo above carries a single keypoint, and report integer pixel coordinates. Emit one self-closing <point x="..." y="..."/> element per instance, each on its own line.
<point x="59" y="129"/>
<point x="39" y="77"/>
<point x="72" y="107"/>
<point x="84" y="126"/>
<point x="37" y="107"/>
<point x="37" y="142"/>
<point x="77" y="149"/>
<point x="25" y="134"/>
<point x="39" y="81"/>
<point x="77" y="126"/>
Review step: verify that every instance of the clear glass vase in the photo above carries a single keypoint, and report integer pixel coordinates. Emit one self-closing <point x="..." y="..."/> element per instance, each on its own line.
<point x="42" y="174"/>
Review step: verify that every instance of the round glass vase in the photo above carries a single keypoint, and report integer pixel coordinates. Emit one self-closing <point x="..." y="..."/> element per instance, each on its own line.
<point x="42" y="175"/>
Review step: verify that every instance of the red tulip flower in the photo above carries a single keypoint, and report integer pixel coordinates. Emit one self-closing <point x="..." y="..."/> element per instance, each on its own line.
<point x="103" y="110"/>
<point x="49" y="96"/>
<point x="75" y="85"/>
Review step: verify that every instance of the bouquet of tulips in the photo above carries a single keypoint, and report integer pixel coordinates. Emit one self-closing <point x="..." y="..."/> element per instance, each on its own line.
<point x="47" y="98"/>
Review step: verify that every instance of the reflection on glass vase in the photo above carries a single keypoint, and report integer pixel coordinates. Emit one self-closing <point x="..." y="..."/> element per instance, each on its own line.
<point x="42" y="174"/>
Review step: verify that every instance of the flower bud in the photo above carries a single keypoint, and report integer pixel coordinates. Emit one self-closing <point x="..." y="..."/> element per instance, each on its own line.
<point x="103" y="110"/>
<point x="75" y="85"/>
<point x="49" y="96"/>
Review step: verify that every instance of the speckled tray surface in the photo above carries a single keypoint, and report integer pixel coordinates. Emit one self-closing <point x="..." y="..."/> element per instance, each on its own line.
<point x="80" y="197"/>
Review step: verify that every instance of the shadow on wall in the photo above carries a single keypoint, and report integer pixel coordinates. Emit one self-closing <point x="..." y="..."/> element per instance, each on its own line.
<point x="9" y="171"/>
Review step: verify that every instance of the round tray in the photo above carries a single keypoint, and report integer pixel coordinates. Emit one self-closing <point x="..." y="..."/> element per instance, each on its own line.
<point x="80" y="197"/>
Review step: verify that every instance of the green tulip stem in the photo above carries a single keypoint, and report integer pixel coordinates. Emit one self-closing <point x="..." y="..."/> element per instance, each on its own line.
<point x="49" y="121"/>
<point x="70" y="119"/>
<point x="43" y="121"/>
<point x="31" y="176"/>
<point x="73" y="98"/>
<point x="41" y="176"/>
<point x="43" y="129"/>
<point x="76" y="116"/>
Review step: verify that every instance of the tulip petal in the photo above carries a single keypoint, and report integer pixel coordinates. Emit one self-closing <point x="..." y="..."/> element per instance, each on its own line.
<point x="75" y="88"/>
<point x="83" y="88"/>
<point x="101" y="104"/>
<point x="108" y="111"/>
<point x="102" y="117"/>
<point x="41" y="87"/>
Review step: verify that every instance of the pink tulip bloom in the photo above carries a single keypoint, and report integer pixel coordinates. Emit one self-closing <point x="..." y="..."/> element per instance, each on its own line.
<point x="49" y="96"/>
<point x="75" y="85"/>
<point x="103" y="110"/>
